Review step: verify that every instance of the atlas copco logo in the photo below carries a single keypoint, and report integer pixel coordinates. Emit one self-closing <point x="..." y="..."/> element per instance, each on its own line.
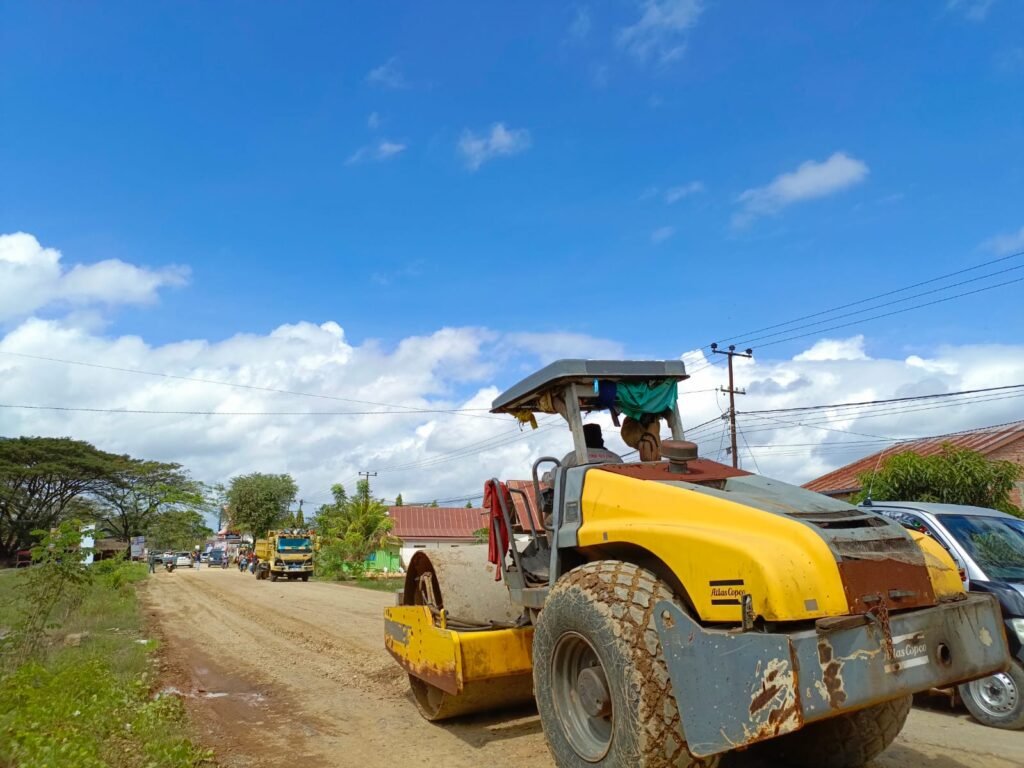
<point x="910" y="651"/>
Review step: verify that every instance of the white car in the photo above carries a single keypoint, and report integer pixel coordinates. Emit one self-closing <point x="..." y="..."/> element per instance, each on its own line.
<point x="183" y="560"/>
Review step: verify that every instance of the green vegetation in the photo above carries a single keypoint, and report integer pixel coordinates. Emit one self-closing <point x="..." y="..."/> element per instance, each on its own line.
<point x="389" y="584"/>
<point x="75" y="687"/>
<point x="350" y="529"/>
<point x="259" y="502"/>
<point x="45" y="481"/>
<point x="953" y="476"/>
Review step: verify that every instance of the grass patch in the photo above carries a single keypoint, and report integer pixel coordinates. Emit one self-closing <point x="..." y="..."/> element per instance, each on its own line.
<point x="381" y="585"/>
<point x="85" y="699"/>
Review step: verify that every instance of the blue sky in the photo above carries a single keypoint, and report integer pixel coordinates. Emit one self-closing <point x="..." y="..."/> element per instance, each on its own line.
<point x="416" y="203"/>
<point x="225" y="137"/>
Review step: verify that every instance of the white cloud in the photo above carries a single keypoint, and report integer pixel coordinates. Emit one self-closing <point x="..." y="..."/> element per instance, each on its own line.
<point x="463" y="367"/>
<point x="661" y="234"/>
<point x="972" y="10"/>
<point x="1004" y="245"/>
<point x="835" y="349"/>
<point x="799" y="447"/>
<point x="373" y="121"/>
<point x="660" y="32"/>
<point x="675" y="194"/>
<point x="388" y="75"/>
<point x="579" y="29"/>
<point x="381" y="150"/>
<point x="33" y="278"/>
<point x="809" y="181"/>
<point x="501" y="141"/>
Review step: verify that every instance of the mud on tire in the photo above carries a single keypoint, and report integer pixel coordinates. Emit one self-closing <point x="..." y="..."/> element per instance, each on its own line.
<point x="610" y="605"/>
<point x="846" y="741"/>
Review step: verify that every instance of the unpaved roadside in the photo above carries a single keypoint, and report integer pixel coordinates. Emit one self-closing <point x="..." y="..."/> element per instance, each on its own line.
<point x="292" y="671"/>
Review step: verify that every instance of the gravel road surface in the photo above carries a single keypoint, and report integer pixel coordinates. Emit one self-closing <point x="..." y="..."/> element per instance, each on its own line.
<point x="296" y="673"/>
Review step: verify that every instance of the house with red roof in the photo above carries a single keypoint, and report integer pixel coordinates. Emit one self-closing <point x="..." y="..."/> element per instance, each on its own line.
<point x="422" y="527"/>
<point x="1005" y="443"/>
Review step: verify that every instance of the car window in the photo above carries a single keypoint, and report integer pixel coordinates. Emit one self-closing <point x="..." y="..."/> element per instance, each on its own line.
<point x="995" y="543"/>
<point x="913" y="522"/>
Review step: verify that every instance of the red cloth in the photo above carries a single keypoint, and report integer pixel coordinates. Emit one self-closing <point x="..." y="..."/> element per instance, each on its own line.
<point x="492" y="503"/>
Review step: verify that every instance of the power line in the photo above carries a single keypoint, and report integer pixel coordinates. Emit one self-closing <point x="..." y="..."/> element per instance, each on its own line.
<point x="253" y="387"/>
<point x="878" y="296"/>
<point x="147" y="411"/>
<point x="835" y="406"/>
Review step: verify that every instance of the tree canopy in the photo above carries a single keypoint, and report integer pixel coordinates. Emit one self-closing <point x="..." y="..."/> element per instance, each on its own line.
<point x="353" y="527"/>
<point x="139" y="491"/>
<point x="258" y="502"/>
<point x="953" y="476"/>
<point x="177" y="529"/>
<point x="44" y="480"/>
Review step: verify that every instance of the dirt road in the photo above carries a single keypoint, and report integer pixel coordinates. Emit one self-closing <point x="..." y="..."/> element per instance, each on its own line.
<point x="297" y="672"/>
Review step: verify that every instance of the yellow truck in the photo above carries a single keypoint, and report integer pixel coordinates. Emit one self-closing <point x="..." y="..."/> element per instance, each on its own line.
<point x="667" y="611"/>
<point x="285" y="554"/>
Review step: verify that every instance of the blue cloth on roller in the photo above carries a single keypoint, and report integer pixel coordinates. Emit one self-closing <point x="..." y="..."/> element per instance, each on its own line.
<point x="606" y="393"/>
<point x="637" y="398"/>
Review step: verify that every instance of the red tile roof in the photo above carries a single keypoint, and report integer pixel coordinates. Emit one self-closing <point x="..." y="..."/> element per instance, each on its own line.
<point x="436" y="522"/>
<point x="521" y="510"/>
<point x="984" y="441"/>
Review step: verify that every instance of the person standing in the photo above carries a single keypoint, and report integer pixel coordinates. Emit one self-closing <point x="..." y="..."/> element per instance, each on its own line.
<point x="152" y="562"/>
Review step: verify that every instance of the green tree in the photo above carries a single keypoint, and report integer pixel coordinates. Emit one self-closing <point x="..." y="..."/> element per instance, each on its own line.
<point x="398" y="500"/>
<point x="258" y="502"/>
<point x="139" y="490"/>
<point x="352" y="528"/>
<point x="469" y="505"/>
<point x="177" y="530"/>
<point x="43" y="480"/>
<point x="952" y="476"/>
<point x="434" y="504"/>
<point x="300" y="519"/>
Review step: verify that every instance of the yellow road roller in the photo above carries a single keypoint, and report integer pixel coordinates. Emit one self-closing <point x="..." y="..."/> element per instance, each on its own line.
<point x="668" y="610"/>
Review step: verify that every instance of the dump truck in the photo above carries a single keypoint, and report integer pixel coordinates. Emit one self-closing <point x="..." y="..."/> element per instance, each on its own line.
<point x="285" y="554"/>
<point x="669" y="610"/>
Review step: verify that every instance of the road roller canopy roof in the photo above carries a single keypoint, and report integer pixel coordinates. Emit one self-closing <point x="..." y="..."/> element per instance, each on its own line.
<point x="529" y="394"/>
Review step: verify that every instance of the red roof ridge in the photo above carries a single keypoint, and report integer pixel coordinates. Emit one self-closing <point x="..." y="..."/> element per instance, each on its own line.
<point x="984" y="440"/>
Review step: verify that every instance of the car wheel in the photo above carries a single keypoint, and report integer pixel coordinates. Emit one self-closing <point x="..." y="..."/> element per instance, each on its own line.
<point x="997" y="700"/>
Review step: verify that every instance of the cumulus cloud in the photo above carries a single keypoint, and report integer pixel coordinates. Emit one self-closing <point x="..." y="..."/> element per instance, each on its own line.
<point x="34" y="278"/>
<point x="376" y="152"/>
<point x="660" y="33"/>
<point x="972" y="10"/>
<point x="675" y="194"/>
<point x="809" y="181"/>
<point x="661" y="234"/>
<point x="835" y="349"/>
<point x="579" y="28"/>
<point x="799" y="447"/>
<point x="478" y="149"/>
<point x="1004" y="245"/>
<point x="391" y="395"/>
<point x="388" y="75"/>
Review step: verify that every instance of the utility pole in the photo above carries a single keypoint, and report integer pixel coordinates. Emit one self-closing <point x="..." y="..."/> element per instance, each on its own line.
<point x="367" y="475"/>
<point x="731" y="353"/>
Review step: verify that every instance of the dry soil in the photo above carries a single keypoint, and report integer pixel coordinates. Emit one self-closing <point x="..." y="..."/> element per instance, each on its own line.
<point x="296" y="673"/>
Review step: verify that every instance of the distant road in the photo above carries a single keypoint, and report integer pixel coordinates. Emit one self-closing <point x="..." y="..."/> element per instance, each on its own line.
<point x="296" y="673"/>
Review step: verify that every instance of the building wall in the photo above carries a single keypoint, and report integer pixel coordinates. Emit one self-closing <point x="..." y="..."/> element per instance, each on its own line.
<point x="1014" y="452"/>
<point x="385" y="560"/>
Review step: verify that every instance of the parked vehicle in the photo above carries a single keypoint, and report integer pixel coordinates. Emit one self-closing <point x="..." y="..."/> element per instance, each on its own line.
<point x="989" y="546"/>
<point x="183" y="560"/>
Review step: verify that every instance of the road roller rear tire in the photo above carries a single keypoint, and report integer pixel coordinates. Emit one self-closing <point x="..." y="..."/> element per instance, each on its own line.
<point x="601" y="683"/>
<point x="846" y="741"/>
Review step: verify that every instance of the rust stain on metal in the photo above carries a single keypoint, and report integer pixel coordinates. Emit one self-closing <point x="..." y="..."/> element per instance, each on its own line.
<point x="775" y="705"/>
<point x="831" y="670"/>
<point x="864" y="579"/>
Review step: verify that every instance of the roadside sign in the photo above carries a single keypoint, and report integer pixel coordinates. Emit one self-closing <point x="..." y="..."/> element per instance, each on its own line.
<point x="138" y="545"/>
